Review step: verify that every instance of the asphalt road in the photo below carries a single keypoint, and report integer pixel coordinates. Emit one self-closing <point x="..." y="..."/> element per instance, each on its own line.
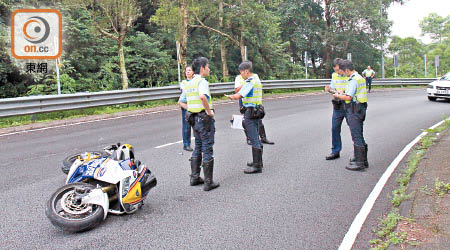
<point x="300" y="201"/>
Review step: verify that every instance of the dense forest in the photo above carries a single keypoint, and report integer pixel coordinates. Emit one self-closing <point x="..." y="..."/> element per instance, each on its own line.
<point x="111" y="44"/>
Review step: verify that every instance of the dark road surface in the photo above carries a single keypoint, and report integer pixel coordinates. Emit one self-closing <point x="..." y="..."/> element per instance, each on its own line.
<point x="300" y="201"/>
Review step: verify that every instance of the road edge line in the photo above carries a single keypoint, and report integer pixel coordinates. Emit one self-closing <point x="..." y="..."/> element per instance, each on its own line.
<point x="355" y="228"/>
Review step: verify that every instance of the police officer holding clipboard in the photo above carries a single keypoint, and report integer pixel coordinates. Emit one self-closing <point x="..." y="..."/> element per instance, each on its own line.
<point x="251" y="94"/>
<point x="239" y="82"/>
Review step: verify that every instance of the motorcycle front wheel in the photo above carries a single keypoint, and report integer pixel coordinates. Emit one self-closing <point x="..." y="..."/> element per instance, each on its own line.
<point x="65" y="210"/>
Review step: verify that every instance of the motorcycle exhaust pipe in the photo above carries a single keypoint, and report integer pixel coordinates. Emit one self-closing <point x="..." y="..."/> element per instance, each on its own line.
<point x="108" y="188"/>
<point x="148" y="183"/>
<point x="113" y="198"/>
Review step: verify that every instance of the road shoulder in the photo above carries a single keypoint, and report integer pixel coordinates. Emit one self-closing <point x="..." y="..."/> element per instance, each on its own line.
<point x="427" y="213"/>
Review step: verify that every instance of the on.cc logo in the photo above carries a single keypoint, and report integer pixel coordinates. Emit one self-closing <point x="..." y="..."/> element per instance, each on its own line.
<point x="36" y="34"/>
<point x="37" y="24"/>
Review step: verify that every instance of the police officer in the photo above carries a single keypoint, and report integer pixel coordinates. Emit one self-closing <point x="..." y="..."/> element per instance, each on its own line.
<point x="356" y="93"/>
<point x="251" y="94"/>
<point x="238" y="83"/>
<point x="182" y="101"/>
<point x="368" y="74"/>
<point x="201" y="116"/>
<point x="338" y="83"/>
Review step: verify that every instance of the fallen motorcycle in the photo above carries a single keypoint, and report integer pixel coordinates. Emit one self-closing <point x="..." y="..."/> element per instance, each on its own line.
<point x="99" y="183"/>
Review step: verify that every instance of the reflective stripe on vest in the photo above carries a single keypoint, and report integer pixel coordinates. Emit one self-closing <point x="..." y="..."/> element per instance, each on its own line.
<point x="339" y="82"/>
<point x="256" y="97"/>
<point x="194" y="102"/>
<point x="361" y="91"/>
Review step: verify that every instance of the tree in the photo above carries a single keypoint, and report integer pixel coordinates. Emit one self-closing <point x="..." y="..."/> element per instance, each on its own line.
<point x="13" y="81"/>
<point x="327" y="29"/>
<point x="173" y="16"/>
<point x="301" y="25"/>
<point x="113" y="19"/>
<point x="241" y="23"/>
<point x="436" y="26"/>
<point x="410" y="53"/>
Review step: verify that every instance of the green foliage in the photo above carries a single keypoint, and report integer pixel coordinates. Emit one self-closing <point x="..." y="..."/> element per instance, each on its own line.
<point x="411" y="51"/>
<point x="13" y="82"/>
<point x="148" y="64"/>
<point x="441" y="188"/>
<point x="436" y="26"/>
<point x="386" y="232"/>
<point x="277" y="34"/>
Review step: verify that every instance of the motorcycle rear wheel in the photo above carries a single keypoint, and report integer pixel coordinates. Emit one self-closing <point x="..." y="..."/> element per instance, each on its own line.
<point x="65" y="212"/>
<point x="69" y="160"/>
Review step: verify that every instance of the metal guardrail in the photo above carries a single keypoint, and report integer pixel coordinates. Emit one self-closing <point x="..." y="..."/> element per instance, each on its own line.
<point x="42" y="104"/>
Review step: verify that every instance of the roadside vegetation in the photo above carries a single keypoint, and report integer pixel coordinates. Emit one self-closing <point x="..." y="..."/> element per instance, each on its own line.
<point x="386" y="234"/>
<point x="101" y="52"/>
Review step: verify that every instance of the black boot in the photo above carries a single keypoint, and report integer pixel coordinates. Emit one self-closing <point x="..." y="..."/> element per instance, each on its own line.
<point x="195" y="171"/>
<point x="366" y="163"/>
<point x="257" y="162"/>
<point x="358" y="164"/>
<point x="208" y="168"/>
<point x="262" y="135"/>
<point x="250" y="164"/>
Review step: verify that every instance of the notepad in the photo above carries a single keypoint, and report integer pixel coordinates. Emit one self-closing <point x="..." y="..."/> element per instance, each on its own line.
<point x="237" y="122"/>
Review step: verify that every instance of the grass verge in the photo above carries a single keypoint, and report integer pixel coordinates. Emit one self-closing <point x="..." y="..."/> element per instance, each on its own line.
<point x="385" y="231"/>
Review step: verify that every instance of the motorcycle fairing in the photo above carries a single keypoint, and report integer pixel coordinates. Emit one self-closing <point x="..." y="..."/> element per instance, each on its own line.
<point x="81" y="170"/>
<point x="134" y="194"/>
<point x="103" y="169"/>
<point x="96" y="196"/>
<point x="111" y="171"/>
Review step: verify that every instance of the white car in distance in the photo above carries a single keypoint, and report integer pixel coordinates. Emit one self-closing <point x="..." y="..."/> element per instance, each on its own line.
<point x="439" y="88"/>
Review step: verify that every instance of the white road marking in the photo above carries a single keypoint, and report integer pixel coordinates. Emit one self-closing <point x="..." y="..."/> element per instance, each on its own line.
<point x="355" y="228"/>
<point x="168" y="144"/>
<point x="172" y="143"/>
<point x="84" y="122"/>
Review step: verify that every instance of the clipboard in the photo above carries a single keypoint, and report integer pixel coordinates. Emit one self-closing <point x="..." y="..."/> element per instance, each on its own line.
<point x="237" y="122"/>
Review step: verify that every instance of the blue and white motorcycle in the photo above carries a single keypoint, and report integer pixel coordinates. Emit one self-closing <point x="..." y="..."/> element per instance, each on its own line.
<point x="99" y="183"/>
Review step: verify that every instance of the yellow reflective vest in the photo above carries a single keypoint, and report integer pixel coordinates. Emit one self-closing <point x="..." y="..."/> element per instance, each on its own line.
<point x="339" y="82"/>
<point x="254" y="97"/>
<point x="194" y="102"/>
<point x="368" y="72"/>
<point x="361" y="91"/>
